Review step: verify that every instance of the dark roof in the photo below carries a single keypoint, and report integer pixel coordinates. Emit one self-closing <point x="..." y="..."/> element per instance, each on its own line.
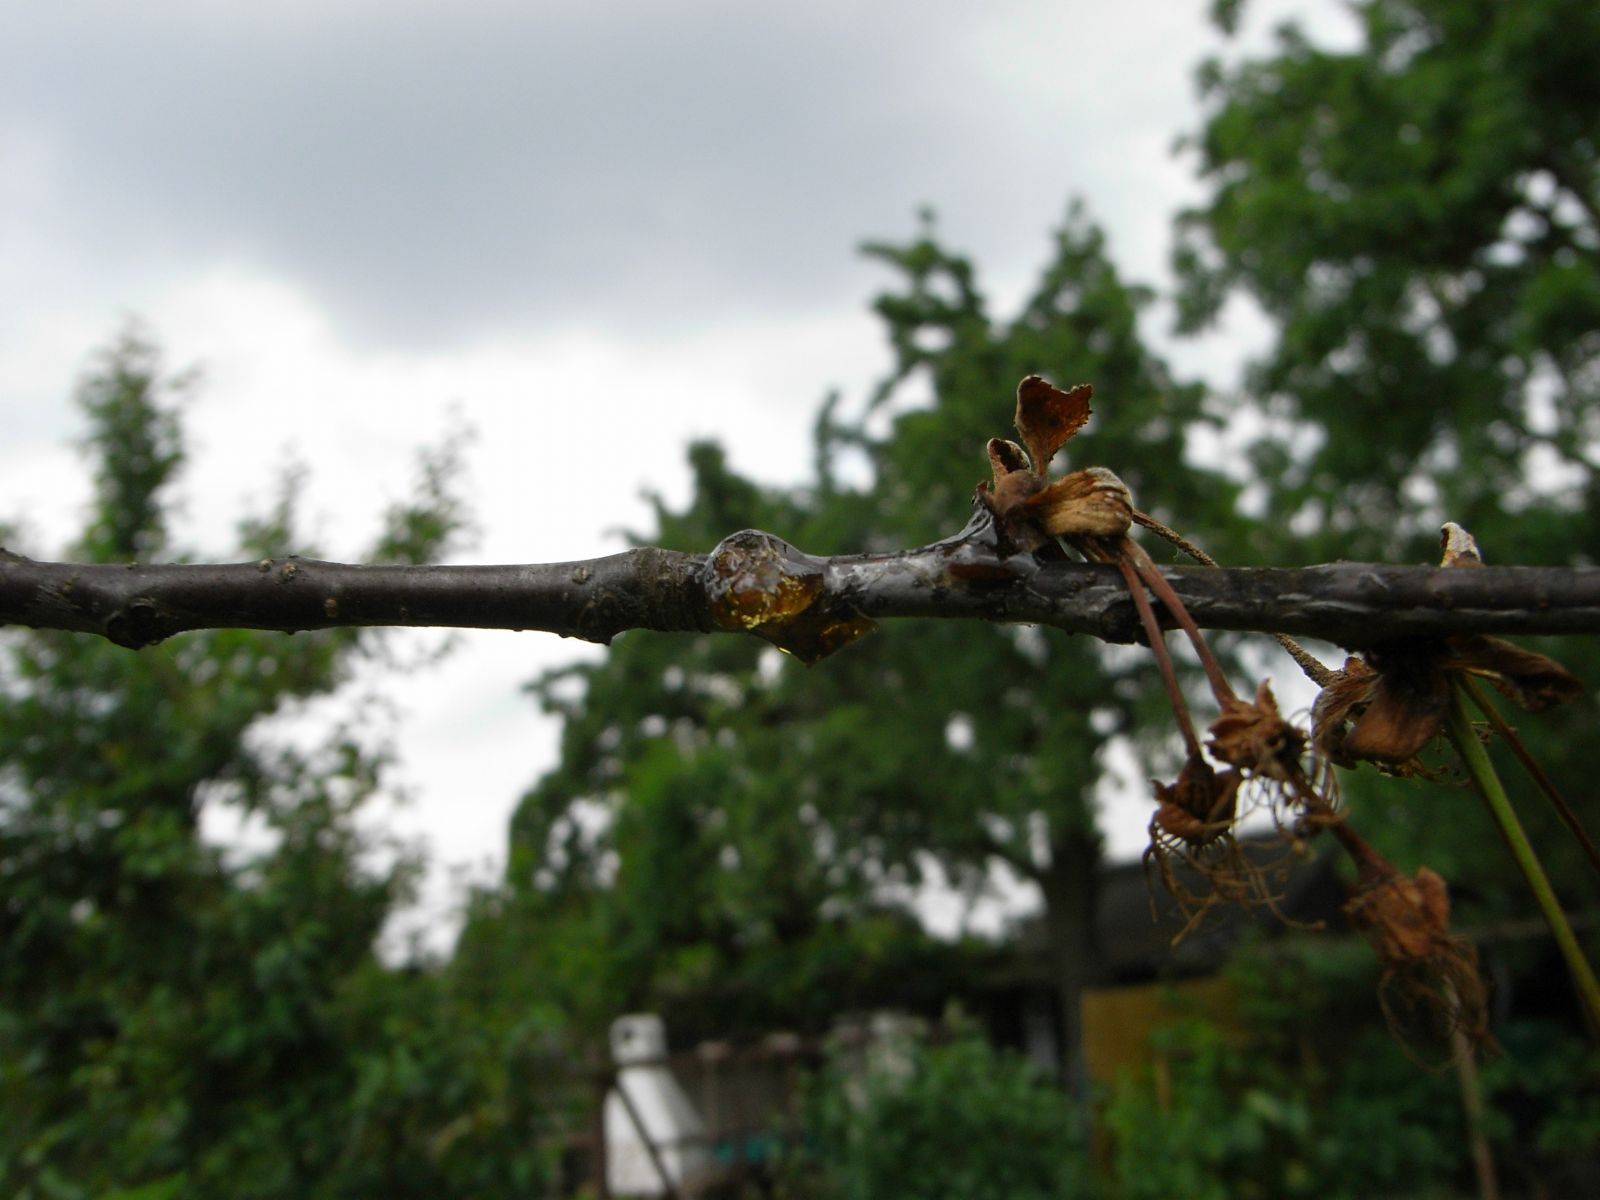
<point x="1136" y="919"/>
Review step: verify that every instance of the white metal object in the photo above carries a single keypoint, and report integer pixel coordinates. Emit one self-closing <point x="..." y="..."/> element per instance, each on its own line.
<point x="660" y="1105"/>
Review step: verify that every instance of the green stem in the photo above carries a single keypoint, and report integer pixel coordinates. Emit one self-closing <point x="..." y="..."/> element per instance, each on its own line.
<point x="1520" y="752"/>
<point x="1482" y="771"/>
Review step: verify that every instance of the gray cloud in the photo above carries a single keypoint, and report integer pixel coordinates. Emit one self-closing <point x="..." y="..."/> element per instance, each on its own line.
<point x="429" y="169"/>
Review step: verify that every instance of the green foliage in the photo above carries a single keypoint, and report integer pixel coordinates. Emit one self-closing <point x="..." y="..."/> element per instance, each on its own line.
<point x="1304" y="1096"/>
<point x="135" y="446"/>
<point x="1545" y="1093"/>
<point x="174" y="1020"/>
<point x="730" y="839"/>
<point x="1420" y="217"/>
<point x="668" y="861"/>
<point x="1229" y="1120"/>
<point x="955" y="1122"/>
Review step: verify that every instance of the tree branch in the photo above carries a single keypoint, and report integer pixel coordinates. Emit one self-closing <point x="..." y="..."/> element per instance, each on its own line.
<point x="757" y="583"/>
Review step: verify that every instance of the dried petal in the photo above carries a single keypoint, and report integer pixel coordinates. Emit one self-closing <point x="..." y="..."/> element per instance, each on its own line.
<point x="1533" y="680"/>
<point x="1397" y="709"/>
<point x="1200" y="805"/>
<point x="1344" y="696"/>
<point x="1254" y="737"/>
<point x="1092" y="502"/>
<point x="1048" y="416"/>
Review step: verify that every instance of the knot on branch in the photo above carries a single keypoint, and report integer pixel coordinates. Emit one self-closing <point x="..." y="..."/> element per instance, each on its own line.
<point x="137" y="624"/>
<point x="759" y="583"/>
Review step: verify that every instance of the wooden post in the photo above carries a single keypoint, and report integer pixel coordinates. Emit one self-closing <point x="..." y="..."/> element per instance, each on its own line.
<point x="600" y="1177"/>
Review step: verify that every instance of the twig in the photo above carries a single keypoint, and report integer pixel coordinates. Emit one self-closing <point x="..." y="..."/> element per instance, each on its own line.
<point x="1354" y="604"/>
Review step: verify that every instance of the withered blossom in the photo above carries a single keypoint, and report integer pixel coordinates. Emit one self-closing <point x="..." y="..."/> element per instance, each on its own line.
<point x="1253" y="736"/>
<point x="1388" y="704"/>
<point x="1430" y="983"/>
<point x="1091" y="511"/>
<point x="1195" y="852"/>
<point x="1030" y="508"/>
<point x="1199" y="807"/>
<point x="1385" y="705"/>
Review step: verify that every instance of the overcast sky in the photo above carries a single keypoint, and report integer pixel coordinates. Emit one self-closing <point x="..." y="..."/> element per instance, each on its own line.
<point x="610" y="226"/>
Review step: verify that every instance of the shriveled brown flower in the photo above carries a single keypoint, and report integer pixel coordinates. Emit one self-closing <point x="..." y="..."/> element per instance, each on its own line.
<point x="1030" y="508"/>
<point x="1199" y="806"/>
<point x="1193" y="848"/>
<point x="1253" y="736"/>
<point x="1091" y="511"/>
<point x="1430" y="983"/>
<point x="1405" y="917"/>
<point x="1393" y="702"/>
<point x="1395" y="697"/>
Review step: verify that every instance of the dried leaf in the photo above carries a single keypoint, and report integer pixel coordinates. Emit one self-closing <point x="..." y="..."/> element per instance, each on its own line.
<point x="1048" y="416"/>
<point x="1533" y="680"/>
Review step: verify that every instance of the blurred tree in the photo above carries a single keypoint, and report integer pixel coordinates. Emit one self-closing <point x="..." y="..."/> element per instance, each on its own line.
<point x="1419" y="217"/>
<point x="178" y="1019"/>
<point x="716" y="782"/>
<point x="672" y="859"/>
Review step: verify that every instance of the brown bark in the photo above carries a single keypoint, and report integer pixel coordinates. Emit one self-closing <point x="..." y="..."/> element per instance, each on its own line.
<point x="754" y="582"/>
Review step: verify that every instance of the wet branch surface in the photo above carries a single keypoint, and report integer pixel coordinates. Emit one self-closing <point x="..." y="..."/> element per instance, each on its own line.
<point x="755" y="582"/>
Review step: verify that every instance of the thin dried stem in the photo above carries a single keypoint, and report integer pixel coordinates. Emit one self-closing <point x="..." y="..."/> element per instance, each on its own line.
<point x="1141" y="562"/>
<point x="1158" y="646"/>
<point x="1167" y="533"/>
<point x="1313" y="667"/>
<point x="1317" y="671"/>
